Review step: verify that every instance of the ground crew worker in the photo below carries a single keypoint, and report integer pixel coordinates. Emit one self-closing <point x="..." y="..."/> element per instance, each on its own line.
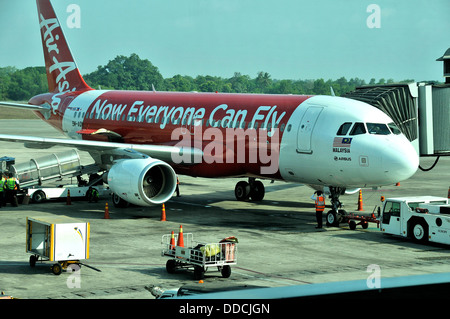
<point x="11" y="187"/>
<point x="320" y="207"/>
<point x="2" y="190"/>
<point x="93" y="195"/>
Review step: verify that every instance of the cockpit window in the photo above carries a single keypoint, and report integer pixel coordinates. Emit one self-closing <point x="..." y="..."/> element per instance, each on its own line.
<point x="343" y="130"/>
<point x="378" y="129"/>
<point x="358" y="129"/>
<point x="394" y="128"/>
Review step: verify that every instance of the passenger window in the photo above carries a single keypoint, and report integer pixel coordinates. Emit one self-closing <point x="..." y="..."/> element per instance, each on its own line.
<point x="378" y="129"/>
<point x="343" y="130"/>
<point x="358" y="129"/>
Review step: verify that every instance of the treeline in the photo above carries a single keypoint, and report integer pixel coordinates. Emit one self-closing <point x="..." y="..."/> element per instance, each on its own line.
<point x="133" y="73"/>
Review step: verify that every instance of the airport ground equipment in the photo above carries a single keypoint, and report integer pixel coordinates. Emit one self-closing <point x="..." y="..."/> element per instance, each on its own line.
<point x="34" y="176"/>
<point x="59" y="239"/>
<point x="47" y="168"/>
<point x="422" y="218"/>
<point x="40" y="194"/>
<point x="200" y="256"/>
<point x="354" y="220"/>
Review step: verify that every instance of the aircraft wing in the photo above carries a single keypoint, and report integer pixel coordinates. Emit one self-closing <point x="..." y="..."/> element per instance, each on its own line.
<point x="161" y="152"/>
<point x="28" y="107"/>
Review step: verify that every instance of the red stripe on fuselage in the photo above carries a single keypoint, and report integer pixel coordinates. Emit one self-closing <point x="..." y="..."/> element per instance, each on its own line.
<point x="152" y="118"/>
<point x="128" y="113"/>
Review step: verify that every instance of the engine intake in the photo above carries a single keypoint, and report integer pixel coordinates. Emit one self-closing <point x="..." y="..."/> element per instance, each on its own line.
<point x="142" y="182"/>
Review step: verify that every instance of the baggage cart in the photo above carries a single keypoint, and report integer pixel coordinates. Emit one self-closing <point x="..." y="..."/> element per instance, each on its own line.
<point x="363" y="220"/>
<point x="59" y="239"/>
<point x="200" y="256"/>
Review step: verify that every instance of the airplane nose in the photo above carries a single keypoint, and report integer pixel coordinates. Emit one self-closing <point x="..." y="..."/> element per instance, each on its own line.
<point x="401" y="161"/>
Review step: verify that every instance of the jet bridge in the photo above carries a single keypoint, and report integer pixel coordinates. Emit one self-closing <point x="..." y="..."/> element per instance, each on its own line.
<point x="420" y="110"/>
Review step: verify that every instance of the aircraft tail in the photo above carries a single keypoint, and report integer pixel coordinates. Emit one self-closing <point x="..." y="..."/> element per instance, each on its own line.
<point x="63" y="74"/>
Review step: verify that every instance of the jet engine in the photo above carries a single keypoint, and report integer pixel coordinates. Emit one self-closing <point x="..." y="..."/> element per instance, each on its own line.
<point x="142" y="182"/>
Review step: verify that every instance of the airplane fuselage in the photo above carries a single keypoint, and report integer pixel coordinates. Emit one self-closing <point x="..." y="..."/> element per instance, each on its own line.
<point x="286" y="137"/>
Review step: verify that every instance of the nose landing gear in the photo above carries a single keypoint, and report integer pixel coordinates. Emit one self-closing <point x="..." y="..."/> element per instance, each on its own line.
<point x="335" y="215"/>
<point x="253" y="190"/>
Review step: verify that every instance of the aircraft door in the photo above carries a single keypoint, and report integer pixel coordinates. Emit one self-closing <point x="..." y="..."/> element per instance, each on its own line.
<point x="71" y="122"/>
<point x="306" y="128"/>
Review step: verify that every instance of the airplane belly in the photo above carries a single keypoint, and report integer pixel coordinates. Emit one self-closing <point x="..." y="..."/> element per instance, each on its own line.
<point x="75" y="112"/>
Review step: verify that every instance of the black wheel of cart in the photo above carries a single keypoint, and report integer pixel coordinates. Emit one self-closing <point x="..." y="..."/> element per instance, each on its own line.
<point x="226" y="271"/>
<point x="199" y="272"/>
<point x="171" y="265"/>
<point x="365" y="224"/>
<point x="352" y="224"/>
<point x="57" y="269"/>
<point x="33" y="260"/>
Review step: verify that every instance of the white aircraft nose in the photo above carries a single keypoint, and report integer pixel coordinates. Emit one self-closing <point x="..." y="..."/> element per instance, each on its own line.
<point x="401" y="161"/>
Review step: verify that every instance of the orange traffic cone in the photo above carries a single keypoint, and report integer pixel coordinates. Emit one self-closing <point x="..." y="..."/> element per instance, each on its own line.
<point x="163" y="213"/>
<point x="360" y="202"/>
<point x="68" y="200"/>
<point x="180" y="237"/>
<point x="172" y="241"/>
<point x="106" y="216"/>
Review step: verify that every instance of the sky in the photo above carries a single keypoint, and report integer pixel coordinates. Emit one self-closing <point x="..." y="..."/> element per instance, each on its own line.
<point x="289" y="39"/>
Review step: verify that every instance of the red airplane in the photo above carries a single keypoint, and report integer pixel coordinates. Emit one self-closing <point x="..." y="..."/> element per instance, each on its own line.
<point x="143" y="139"/>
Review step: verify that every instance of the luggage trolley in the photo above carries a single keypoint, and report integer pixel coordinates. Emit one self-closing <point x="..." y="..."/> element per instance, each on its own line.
<point x="60" y="239"/>
<point x="201" y="256"/>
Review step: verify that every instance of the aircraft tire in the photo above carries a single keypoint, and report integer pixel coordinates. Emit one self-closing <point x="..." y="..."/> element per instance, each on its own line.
<point x="258" y="192"/>
<point x="332" y="219"/>
<point x="242" y="191"/>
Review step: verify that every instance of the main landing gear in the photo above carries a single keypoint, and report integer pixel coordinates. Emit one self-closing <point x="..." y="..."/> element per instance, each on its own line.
<point x="336" y="214"/>
<point x="253" y="190"/>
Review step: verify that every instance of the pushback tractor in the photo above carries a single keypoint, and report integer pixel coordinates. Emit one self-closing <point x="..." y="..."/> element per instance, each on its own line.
<point x="423" y="218"/>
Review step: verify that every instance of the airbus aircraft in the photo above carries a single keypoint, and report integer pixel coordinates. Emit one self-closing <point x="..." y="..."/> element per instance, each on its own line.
<point x="143" y="139"/>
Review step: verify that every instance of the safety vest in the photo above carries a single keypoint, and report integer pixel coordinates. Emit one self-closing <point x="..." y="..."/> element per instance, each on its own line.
<point x="320" y="203"/>
<point x="11" y="183"/>
<point x="2" y="184"/>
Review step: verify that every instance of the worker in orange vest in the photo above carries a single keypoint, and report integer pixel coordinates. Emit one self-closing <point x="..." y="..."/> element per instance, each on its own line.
<point x="320" y="207"/>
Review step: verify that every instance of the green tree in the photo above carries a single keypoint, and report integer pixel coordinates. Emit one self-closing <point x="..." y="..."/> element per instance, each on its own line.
<point x="127" y="73"/>
<point x="262" y="82"/>
<point x="25" y="83"/>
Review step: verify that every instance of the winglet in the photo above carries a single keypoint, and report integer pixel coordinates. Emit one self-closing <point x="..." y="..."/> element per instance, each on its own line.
<point x="63" y="74"/>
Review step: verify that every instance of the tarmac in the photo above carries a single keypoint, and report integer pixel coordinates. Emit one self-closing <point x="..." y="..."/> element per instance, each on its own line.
<point x="278" y="243"/>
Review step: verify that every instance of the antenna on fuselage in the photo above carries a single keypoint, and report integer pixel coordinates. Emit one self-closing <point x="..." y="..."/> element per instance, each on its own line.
<point x="332" y="91"/>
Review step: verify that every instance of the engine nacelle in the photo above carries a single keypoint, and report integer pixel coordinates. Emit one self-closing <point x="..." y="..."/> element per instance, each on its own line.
<point x="142" y="182"/>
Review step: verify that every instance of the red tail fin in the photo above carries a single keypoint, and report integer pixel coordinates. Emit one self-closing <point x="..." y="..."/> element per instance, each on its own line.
<point x="62" y="71"/>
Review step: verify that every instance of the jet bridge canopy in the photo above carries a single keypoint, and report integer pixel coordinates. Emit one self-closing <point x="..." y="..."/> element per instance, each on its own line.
<point x="394" y="100"/>
<point x="420" y="110"/>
